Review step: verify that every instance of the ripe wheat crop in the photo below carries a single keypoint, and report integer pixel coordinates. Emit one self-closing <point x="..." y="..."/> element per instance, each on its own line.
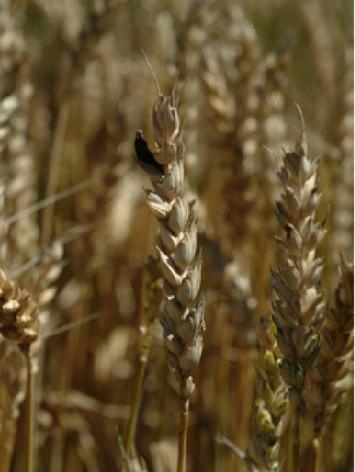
<point x="176" y="253"/>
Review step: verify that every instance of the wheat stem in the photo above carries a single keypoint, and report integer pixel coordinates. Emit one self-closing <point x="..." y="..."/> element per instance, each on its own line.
<point x="135" y="406"/>
<point x="137" y="396"/>
<point x="184" y="404"/>
<point x="295" y="396"/>
<point x="315" y="455"/>
<point x="30" y="410"/>
<point x="55" y="160"/>
<point x="152" y="305"/>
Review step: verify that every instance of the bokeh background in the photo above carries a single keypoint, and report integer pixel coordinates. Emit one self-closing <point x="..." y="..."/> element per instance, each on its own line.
<point x="82" y="88"/>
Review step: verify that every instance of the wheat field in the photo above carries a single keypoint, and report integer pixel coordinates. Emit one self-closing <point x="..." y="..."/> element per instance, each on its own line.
<point x="176" y="254"/>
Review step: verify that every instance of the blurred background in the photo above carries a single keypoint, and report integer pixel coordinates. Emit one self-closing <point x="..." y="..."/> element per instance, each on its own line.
<point x="80" y="88"/>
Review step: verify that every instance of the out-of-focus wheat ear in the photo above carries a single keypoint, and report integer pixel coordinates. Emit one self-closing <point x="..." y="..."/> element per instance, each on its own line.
<point x="271" y="403"/>
<point x="182" y="317"/>
<point x="19" y="320"/>
<point x="238" y="311"/>
<point x="327" y="379"/>
<point x="80" y="47"/>
<point x="94" y="25"/>
<point x="298" y="308"/>
<point x="229" y="77"/>
<point x="16" y="163"/>
<point x="230" y="81"/>
<point x="321" y="44"/>
<point x="191" y="36"/>
<point x="340" y="162"/>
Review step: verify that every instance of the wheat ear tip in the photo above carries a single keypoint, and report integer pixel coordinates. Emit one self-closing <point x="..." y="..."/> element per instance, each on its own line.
<point x="151" y="70"/>
<point x="301" y="146"/>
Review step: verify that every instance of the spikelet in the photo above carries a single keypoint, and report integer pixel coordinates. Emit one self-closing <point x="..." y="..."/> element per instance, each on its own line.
<point x="183" y="314"/>
<point x="229" y="79"/>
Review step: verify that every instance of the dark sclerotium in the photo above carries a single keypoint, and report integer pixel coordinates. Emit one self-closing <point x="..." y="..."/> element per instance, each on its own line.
<point x="144" y="154"/>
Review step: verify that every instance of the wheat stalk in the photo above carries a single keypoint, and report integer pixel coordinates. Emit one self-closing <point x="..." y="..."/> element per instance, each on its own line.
<point x="152" y="310"/>
<point x="298" y="309"/>
<point x="12" y="394"/>
<point x="183" y="314"/>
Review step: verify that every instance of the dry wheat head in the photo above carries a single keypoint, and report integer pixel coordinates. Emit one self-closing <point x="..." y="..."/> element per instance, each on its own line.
<point x="326" y="380"/>
<point x="183" y="313"/>
<point x="19" y="319"/>
<point x="298" y="309"/>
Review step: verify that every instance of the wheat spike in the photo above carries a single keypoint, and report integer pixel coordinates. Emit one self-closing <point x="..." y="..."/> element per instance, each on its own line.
<point x="326" y="380"/>
<point x="298" y="309"/>
<point x="182" y="318"/>
<point x="271" y="404"/>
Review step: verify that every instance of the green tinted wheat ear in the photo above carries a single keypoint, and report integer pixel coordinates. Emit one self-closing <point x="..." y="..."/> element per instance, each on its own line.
<point x="183" y="313"/>
<point x="271" y="404"/>
<point x="298" y="309"/>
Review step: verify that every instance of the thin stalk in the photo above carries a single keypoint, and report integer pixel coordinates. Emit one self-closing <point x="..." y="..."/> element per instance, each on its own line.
<point x="294" y="445"/>
<point x="55" y="160"/>
<point x="147" y="341"/>
<point x="30" y="412"/>
<point x="184" y="404"/>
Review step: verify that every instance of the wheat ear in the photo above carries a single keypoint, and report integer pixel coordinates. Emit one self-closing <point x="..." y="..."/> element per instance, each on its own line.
<point x="271" y="404"/>
<point x="326" y="380"/>
<point x="183" y="313"/>
<point x="298" y="309"/>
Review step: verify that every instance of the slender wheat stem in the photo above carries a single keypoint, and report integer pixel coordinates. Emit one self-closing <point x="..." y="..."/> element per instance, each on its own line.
<point x="30" y="412"/>
<point x="152" y="310"/>
<point x="136" y="401"/>
<point x="184" y="404"/>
